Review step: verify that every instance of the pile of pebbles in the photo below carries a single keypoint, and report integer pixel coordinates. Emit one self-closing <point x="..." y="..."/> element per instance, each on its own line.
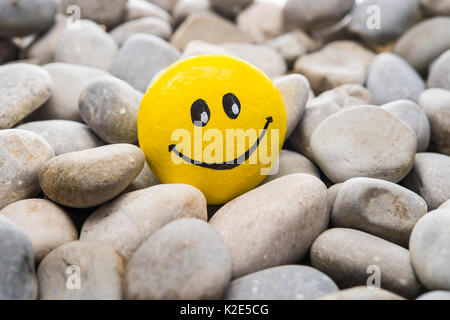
<point x="364" y="182"/>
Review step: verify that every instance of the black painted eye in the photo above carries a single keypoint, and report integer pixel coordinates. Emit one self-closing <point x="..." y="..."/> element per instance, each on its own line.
<point x="231" y="105"/>
<point x="200" y="113"/>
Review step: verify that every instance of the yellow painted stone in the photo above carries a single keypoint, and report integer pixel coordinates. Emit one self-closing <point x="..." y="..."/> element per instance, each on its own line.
<point x="214" y="122"/>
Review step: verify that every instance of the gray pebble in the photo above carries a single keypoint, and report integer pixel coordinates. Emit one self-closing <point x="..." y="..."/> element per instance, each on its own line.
<point x="167" y="5"/>
<point x="154" y="26"/>
<point x="439" y="72"/>
<point x="435" y="295"/>
<point x="136" y="9"/>
<point x="145" y="179"/>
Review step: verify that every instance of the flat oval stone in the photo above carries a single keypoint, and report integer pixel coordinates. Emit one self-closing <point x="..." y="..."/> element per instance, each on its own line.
<point x="22" y="154"/>
<point x="430" y="178"/>
<point x="381" y="208"/>
<point x="290" y="282"/>
<point x="364" y="141"/>
<point x="429" y="245"/>
<point x="23" y="89"/>
<point x="435" y="295"/>
<point x="106" y="12"/>
<point x="362" y="293"/>
<point x="81" y="270"/>
<point x="280" y="220"/>
<point x="109" y="106"/>
<point x="155" y="26"/>
<point x="186" y="259"/>
<point x="64" y="135"/>
<point x="91" y="177"/>
<point x="17" y="279"/>
<point x="127" y="221"/>
<point x="47" y="225"/>
<point x="439" y="70"/>
<point x="346" y="255"/>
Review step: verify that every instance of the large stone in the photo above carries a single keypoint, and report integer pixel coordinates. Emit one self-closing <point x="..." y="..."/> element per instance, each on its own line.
<point x="362" y="293"/>
<point x="106" y="12"/>
<point x="154" y="26"/>
<point x="91" y="177"/>
<point x="126" y="222"/>
<point x="273" y="224"/>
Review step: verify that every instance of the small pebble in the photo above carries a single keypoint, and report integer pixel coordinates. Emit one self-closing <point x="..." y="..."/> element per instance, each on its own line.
<point x="136" y="9"/>
<point x="154" y="26"/>
<point x="439" y="72"/>
<point x="106" y="12"/>
<point x="362" y="293"/>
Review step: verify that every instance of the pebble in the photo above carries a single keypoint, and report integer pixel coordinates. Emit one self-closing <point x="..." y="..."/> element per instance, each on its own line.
<point x="364" y="141"/>
<point x="134" y="65"/>
<point x="378" y="207"/>
<point x="64" y="135"/>
<point x="17" y="279"/>
<point x="262" y="57"/>
<point x="68" y="81"/>
<point x="437" y="8"/>
<point x="167" y="5"/>
<point x="429" y="245"/>
<point x="145" y="179"/>
<point x="21" y="18"/>
<point x="412" y="114"/>
<point x="435" y="295"/>
<point x="197" y="47"/>
<point x="186" y="259"/>
<point x="289" y="282"/>
<point x="294" y="89"/>
<point x="45" y="224"/>
<point x="362" y="293"/>
<point x="436" y="104"/>
<point x="395" y="17"/>
<point x="261" y="21"/>
<point x="23" y="89"/>
<point x="208" y="27"/>
<point x="22" y="154"/>
<point x="439" y="72"/>
<point x="106" y="12"/>
<point x="277" y="221"/>
<point x="136" y="9"/>
<point x="109" y="106"/>
<point x="230" y="8"/>
<point x="81" y="270"/>
<point x="391" y="78"/>
<point x="337" y="63"/>
<point x="346" y="255"/>
<point x="316" y="14"/>
<point x="8" y="51"/>
<point x="154" y="26"/>
<point x="424" y="42"/>
<point x="127" y="221"/>
<point x="88" y="45"/>
<point x="430" y="178"/>
<point x="184" y="8"/>
<point x="290" y="162"/>
<point x="91" y="177"/>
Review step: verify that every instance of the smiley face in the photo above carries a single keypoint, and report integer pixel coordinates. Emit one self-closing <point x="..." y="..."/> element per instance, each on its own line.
<point x="214" y="122"/>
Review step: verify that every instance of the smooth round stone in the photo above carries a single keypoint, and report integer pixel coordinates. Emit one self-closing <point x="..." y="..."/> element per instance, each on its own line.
<point x="145" y="179"/>
<point x="280" y="220"/>
<point x="364" y="141"/>
<point x="435" y="295"/>
<point x="23" y="89"/>
<point x="109" y="106"/>
<point x="230" y="8"/>
<point x="64" y="135"/>
<point x="22" y="154"/>
<point x="378" y="207"/>
<point x="395" y="17"/>
<point x="290" y="282"/>
<point x="261" y="21"/>
<point x="429" y="245"/>
<point x="439" y="72"/>
<point x="413" y="115"/>
<point x="262" y="57"/>
<point x="167" y="5"/>
<point x="21" y="18"/>
<point x="8" y="51"/>
<point x="95" y="266"/>
<point x="291" y="162"/>
<point x="91" y="177"/>
<point x="186" y="259"/>
<point x="184" y="8"/>
<point x="134" y="65"/>
<point x="154" y="26"/>
<point x="127" y="221"/>
<point x="346" y="255"/>
<point x="424" y="42"/>
<point x="294" y="89"/>
<point x="362" y="293"/>
<point x="436" y="104"/>
<point x="136" y="9"/>
<point x="316" y="14"/>
<point x="391" y="78"/>
<point x="436" y="8"/>
<point x="17" y="279"/>
<point x="208" y="27"/>
<point x="45" y="224"/>
<point x="106" y="12"/>
<point x="430" y="178"/>
<point x="338" y="63"/>
<point x="88" y="45"/>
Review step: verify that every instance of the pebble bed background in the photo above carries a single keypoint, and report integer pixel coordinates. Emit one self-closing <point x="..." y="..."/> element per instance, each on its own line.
<point x="364" y="181"/>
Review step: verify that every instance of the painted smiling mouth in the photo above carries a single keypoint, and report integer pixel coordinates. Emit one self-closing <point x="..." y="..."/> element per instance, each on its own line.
<point x="229" y="164"/>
